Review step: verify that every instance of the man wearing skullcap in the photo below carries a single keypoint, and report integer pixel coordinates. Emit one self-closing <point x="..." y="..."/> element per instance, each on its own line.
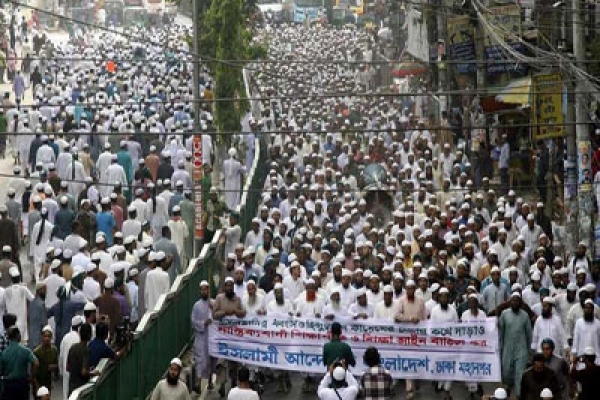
<point x="233" y="173"/>
<point x="515" y="333"/>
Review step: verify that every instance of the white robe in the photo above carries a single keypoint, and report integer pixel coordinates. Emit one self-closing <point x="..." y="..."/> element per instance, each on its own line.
<point x="104" y="161"/>
<point x="157" y="283"/>
<point x="38" y="251"/>
<point x="114" y="173"/>
<point x="77" y="184"/>
<point x="62" y="163"/>
<point x="45" y="155"/>
<point x="158" y="218"/>
<point x="232" y="170"/>
<point x="17" y="296"/>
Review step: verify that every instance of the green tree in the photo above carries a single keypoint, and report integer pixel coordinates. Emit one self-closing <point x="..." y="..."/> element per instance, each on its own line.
<point x="226" y="44"/>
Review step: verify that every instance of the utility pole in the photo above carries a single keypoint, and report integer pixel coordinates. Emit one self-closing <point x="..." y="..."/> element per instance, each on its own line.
<point x="441" y="66"/>
<point x="584" y="192"/>
<point x="197" y="141"/>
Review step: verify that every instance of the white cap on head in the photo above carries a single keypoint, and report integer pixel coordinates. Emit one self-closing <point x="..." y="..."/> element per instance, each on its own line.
<point x="500" y="394"/>
<point x="177" y="362"/>
<point x="89" y="306"/>
<point x="339" y="374"/>
<point x="546" y="394"/>
<point x="14" y="272"/>
<point x="204" y="283"/>
<point x="589" y="351"/>
<point x="42" y="391"/>
<point x="278" y="286"/>
<point x="77" y="320"/>
<point x="47" y="328"/>
<point x="109" y="283"/>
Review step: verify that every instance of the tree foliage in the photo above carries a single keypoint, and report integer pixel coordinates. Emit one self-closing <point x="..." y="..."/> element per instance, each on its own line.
<point x="226" y="44"/>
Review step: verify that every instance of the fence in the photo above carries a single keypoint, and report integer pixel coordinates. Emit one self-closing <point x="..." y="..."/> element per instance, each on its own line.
<point x="162" y="334"/>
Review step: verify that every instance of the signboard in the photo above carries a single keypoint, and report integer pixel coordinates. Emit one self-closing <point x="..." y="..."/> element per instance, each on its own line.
<point x="418" y="44"/>
<point x="547" y="106"/>
<point x="467" y="351"/>
<point x="198" y="173"/>
<point x="461" y="43"/>
<point x="584" y="155"/>
<point x="302" y="13"/>
<point x="507" y="23"/>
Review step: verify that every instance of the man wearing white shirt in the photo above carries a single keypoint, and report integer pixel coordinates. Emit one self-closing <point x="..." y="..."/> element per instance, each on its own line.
<point x="279" y="306"/>
<point x="334" y="309"/>
<point x="91" y="288"/>
<point x="531" y="294"/>
<point x="549" y="326"/>
<point x="157" y="280"/>
<point x="374" y="293"/>
<point x="252" y="300"/>
<point x="586" y="332"/>
<point x="308" y="303"/>
<point x="68" y="341"/>
<point x="444" y="312"/>
<point x="293" y="283"/>
<point x="385" y="310"/>
<point x="361" y="309"/>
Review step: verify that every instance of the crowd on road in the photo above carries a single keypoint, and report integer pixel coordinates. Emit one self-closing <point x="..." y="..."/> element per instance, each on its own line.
<point x="97" y="217"/>
<point x="367" y="212"/>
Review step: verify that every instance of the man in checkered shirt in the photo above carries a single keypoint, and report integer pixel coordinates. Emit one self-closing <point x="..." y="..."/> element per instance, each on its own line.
<point x="376" y="382"/>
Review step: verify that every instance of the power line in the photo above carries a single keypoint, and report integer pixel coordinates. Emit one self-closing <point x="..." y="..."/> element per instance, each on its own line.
<point x="301" y="131"/>
<point x="134" y="187"/>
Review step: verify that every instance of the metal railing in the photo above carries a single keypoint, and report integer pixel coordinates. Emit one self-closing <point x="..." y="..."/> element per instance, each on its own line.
<point x="162" y="334"/>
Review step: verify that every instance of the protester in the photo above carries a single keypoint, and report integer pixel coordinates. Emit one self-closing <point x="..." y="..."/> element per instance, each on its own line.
<point x="171" y="388"/>
<point x="243" y="390"/>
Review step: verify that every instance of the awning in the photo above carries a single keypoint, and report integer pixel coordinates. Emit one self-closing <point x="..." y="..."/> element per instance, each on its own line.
<point x="516" y="92"/>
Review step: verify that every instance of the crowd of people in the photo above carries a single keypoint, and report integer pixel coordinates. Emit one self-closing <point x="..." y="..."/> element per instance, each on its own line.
<point x="445" y="250"/>
<point x="97" y="218"/>
<point x="366" y="213"/>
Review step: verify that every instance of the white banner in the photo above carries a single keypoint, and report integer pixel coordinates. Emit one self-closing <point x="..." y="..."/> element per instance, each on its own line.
<point x="466" y="351"/>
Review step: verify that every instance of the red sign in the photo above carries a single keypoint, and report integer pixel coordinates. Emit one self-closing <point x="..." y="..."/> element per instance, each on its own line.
<point x="197" y="176"/>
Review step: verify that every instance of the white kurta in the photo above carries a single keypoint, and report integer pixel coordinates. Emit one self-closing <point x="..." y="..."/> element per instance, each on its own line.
<point x="17" y="296"/>
<point x="549" y="328"/>
<point x="157" y="283"/>
<point x="62" y="163"/>
<point x="158" y="218"/>
<point x="104" y="161"/>
<point x="114" y="173"/>
<point x="179" y="232"/>
<point x="38" y="251"/>
<point x="77" y="183"/>
<point x="232" y="170"/>
<point x="68" y="341"/>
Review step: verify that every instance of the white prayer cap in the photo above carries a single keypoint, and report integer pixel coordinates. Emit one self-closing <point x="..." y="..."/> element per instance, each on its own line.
<point x="14" y="272"/>
<point x="410" y="282"/>
<point x="589" y="351"/>
<point x="548" y="300"/>
<point x="388" y="289"/>
<point x="278" y="286"/>
<point x="515" y="294"/>
<point x="42" y="391"/>
<point x="109" y="283"/>
<point x="229" y="279"/>
<point x="77" y="320"/>
<point x="495" y="269"/>
<point x="77" y="270"/>
<point x="546" y="394"/>
<point x="160" y="256"/>
<point x="444" y="290"/>
<point x="536" y="276"/>
<point x="6" y="249"/>
<point x="176" y="361"/>
<point x="339" y="374"/>
<point x="47" y="328"/>
<point x="500" y="394"/>
<point x="89" y="306"/>
<point x="572" y="287"/>
<point x="54" y="264"/>
<point x="204" y="283"/>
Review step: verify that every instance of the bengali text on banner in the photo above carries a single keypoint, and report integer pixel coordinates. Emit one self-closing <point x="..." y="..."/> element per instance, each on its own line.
<point x="466" y="351"/>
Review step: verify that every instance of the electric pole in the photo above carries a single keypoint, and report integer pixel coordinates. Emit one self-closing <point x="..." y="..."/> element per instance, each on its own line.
<point x="584" y="190"/>
<point x="197" y="140"/>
